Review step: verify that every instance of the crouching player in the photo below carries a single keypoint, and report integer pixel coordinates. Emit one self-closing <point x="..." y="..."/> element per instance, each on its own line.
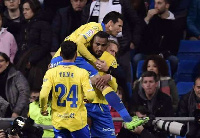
<point x="70" y="85"/>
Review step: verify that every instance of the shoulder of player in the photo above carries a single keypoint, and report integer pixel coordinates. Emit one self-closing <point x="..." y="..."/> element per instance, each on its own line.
<point x="94" y="26"/>
<point x="52" y="70"/>
<point x="81" y="70"/>
<point x="107" y="56"/>
<point x="105" y="53"/>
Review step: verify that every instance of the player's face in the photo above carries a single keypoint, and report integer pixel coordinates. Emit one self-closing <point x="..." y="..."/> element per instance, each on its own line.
<point x="149" y="85"/>
<point x="161" y="6"/>
<point x="112" y="49"/>
<point x="27" y="11"/>
<point x="197" y="88"/>
<point x="12" y="4"/>
<point x="115" y="28"/>
<point x="99" y="46"/>
<point x="78" y="5"/>
<point x="3" y="64"/>
<point x="151" y="66"/>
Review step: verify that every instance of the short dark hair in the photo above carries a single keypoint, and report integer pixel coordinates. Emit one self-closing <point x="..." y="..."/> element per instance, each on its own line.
<point x="150" y="74"/>
<point x="7" y="59"/>
<point x="68" y="49"/>
<point x="143" y="110"/>
<point x="113" y="16"/>
<point x="34" y="5"/>
<point x="100" y="34"/>
<point x="160" y="62"/>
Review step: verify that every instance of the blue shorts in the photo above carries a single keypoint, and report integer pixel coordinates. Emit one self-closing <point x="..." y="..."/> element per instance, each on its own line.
<point x="102" y="123"/>
<point x="80" y="62"/>
<point x="64" y="133"/>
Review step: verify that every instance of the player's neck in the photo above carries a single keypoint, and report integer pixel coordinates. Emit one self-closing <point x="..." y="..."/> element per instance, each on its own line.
<point x="107" y="26"/>
<point x="70" y="60"/>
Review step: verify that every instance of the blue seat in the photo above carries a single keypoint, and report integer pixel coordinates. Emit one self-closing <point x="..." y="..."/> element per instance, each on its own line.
<point x="184" y="87"/>
<point x="187" y="70"/>
<point x="189" y="50"/>
<point x="139" y="68"/>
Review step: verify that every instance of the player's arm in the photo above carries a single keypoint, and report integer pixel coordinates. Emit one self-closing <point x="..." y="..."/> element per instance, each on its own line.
<point x="88" y="90"/>
<point x="108" y="64"/>
<point x="85" y="37"/>
<point x="113" y="83"/>
<point x="44" y="93"/>
<point x="107" y="60"/>
<point x="84" y="51"/>
<point x="107" y="79"/>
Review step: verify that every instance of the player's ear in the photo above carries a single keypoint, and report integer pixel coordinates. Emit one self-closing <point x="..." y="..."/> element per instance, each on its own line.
<point x="75" y="55"/>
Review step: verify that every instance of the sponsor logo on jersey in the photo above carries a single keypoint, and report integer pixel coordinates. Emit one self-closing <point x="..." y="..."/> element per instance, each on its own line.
<point x="89" y="33"/>
<point x="71" y="115"/>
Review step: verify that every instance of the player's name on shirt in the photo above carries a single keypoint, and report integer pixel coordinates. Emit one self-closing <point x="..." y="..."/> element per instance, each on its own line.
<point x="66" y="74"/>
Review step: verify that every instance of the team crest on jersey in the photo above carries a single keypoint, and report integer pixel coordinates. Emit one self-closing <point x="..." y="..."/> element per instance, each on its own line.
<point x="114" y="63"/>
<point x="90" y="33"/>
<point x="96" y="28"/>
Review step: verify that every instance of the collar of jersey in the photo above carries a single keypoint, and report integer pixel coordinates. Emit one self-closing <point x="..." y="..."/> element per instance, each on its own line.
<point x="67" y="63"/>
<point x="103" y="26"/>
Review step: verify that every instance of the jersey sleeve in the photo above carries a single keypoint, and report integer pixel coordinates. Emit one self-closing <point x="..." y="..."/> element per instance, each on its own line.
<point x="88" y="90"/>
<point x="113" y="84"/>
<point x="84" y="38"/>
<point x="107" y="90"/>
<point x="46" y="88"/>
<point x="110" y="61"/>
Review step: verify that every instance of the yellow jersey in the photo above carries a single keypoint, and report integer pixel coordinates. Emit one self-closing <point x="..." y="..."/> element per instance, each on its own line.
<point x="70" y="86"/>
<point x="82" y="37"/>
<point x="110" y="61"/>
